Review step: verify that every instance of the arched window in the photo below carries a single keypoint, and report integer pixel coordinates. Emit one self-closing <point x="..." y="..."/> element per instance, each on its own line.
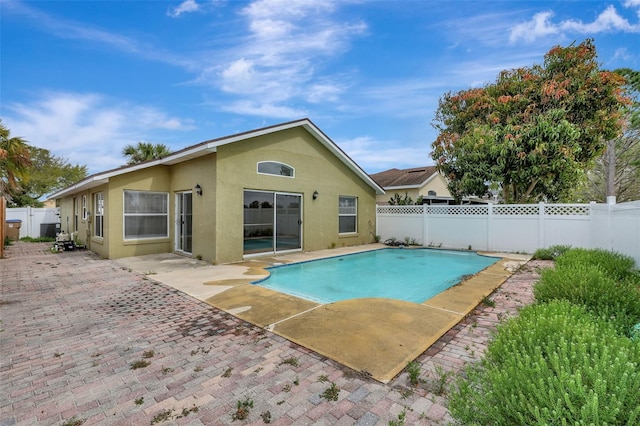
<point x="431" y="193"/>
<point x="275" y="168"/>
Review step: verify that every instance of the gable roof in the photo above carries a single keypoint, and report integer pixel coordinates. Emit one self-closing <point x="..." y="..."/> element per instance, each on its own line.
<point x="211" y="146"/>
<point x="416" y="177"/>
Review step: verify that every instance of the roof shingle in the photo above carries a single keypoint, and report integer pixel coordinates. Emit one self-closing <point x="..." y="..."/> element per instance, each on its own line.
<point x="404" y="177"/>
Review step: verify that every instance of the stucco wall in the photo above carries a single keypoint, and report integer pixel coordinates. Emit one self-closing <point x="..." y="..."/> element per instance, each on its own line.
<point x="184" y="177"/>
<point x="437" y="184"/>
<point x="316" y="169"/>
<point x="150" y="179"/>
<point x="85" y="228"/>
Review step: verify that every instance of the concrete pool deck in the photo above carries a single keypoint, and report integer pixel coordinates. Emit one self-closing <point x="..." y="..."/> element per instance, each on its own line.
<point x="376" y="337"/>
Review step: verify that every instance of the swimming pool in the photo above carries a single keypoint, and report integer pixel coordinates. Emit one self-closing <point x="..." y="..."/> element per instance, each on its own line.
<point x="413" y="275"/>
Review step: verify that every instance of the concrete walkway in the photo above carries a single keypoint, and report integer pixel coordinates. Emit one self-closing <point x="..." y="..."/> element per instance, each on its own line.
<point x="84" y="338"/>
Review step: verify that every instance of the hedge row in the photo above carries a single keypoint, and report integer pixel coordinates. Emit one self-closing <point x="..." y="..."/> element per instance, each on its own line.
<point x="566" y="359"/>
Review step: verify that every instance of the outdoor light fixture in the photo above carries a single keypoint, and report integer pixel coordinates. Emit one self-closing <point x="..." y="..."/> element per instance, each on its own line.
<point x="315" y="194"/>
<point x="198" y="189"/>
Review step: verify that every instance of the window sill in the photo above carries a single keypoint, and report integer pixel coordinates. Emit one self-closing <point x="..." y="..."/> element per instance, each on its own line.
<point x="146" y="241"/>
<point x="348" y="234"/>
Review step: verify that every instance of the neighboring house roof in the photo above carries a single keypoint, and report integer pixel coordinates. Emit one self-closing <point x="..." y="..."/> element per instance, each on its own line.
<point x="210" y="146"/>
<point x="416" y="177"/>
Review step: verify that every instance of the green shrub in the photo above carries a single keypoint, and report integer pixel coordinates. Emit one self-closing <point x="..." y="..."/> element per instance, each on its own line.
<point x="553" y="364"/>
<point x="595" y="289"/>
<point x="550" y="253"/>
<point x="617" y="265"/>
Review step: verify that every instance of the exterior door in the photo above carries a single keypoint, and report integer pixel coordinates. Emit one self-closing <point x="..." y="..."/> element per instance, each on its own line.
<point x="184" y="222"/>
<point x="288" y="222"/>
<point x="272" y="222"/>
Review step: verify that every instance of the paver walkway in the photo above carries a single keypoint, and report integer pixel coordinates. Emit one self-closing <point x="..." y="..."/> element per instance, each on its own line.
<point x="74" y="326"/>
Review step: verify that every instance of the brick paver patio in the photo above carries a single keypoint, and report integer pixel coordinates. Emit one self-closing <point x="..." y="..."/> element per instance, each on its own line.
<point x="74" y="326"/>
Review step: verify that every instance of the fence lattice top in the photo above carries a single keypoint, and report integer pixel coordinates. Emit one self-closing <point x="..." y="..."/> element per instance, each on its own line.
<point x="498" y="209"/>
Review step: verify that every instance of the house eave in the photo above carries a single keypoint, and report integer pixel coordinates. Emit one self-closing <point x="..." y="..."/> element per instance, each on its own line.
<point x="391" y="188"/>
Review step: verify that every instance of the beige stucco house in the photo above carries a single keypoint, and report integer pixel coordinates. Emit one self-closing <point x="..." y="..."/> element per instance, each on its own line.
<point x="419" y="181"/>
<point x="277" y="189"/>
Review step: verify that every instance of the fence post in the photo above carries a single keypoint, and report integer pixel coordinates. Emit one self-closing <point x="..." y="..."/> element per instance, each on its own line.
<point x="541" y="240"/>
<point x="425" y="225"/>
<point x="29" y="222"/>
<point x="489" y="227"/>
<point x="592" y="226"/>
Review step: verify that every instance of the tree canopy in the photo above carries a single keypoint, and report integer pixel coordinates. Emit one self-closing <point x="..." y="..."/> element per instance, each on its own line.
<point x="534" y="131"/>
<point x="47" y="173"/>
<point x="27" y="172"/>
<point x="15" y="159"/>
<point x="624" y="162"/>
<point x="145" y="151"/>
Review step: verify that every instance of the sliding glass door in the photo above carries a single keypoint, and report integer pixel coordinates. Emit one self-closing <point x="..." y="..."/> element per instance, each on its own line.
<point x="272" y="222"/>
<point x="184" y="221"/>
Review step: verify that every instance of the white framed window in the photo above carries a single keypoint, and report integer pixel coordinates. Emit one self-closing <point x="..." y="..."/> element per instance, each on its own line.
<point x="98" y="215"/>
<point x="275" y="168"/>
<point x="146" y="215"/>
<point x="84" y="207"/>
<point x="347" y="215"/>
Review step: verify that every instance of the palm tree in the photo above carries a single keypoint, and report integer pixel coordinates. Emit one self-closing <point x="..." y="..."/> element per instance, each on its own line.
<point x="15" y="159"/>
<point x="145" y="151"/>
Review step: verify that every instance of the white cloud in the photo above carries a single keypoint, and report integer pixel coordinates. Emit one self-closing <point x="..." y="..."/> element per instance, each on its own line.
<point x="376" y="155"/>
<point x="280" y="59"/>
<point x="323" y="92"/>
<point x="187" y="6"/>
<point x="622" y="53"/>
<point x="541" y="25"/>
<point x="261" y="109"/>
<point x="607" y="21"/>
<point x="87" y="129"/>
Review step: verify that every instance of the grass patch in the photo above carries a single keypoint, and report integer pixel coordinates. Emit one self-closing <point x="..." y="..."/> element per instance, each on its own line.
<point x="74" y="422"/>
<point x="292" y="361"/>
<point x="413" y="369"/>
<point x="38" y="240"/>
<point x="331" y="393"/>
<point x="139" y="364"/>
<point x="242" y="409"/>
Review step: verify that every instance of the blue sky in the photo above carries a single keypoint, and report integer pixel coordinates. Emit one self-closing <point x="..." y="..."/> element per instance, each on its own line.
<point x="86" y="78"/>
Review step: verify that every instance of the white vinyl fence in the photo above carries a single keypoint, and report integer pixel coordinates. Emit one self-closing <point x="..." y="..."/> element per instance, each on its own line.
<point x="34" y="220"/>
<point x="514" y="228"/>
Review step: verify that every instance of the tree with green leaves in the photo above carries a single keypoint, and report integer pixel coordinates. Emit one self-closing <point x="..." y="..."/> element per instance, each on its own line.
<point x="535" y="130"/>
<point x="145" y="151"/>
<point x="398" y="200"/>
<point x="47" y="174"/>
<point x="617" y="171"/>
<point x="15" y="159"/>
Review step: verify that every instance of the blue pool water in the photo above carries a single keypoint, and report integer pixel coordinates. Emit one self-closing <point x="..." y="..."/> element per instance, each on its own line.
<point x="414" y="275"/>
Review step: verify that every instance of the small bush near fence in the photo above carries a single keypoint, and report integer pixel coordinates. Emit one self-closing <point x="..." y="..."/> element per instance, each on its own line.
<point x="568" y="358"/>
<point x="553" y="364"/>
<point x="617" y="265"/>
<point x="550" y="253"/>
<point x="592" y="286"/>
